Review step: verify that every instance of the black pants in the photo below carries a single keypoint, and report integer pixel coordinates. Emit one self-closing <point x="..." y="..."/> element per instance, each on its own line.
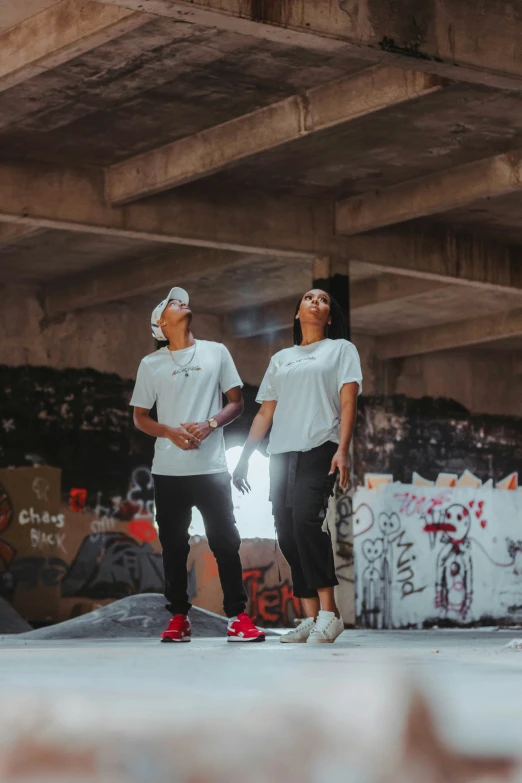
<point x="175" y="496"/>
<point x="299" y="490"/>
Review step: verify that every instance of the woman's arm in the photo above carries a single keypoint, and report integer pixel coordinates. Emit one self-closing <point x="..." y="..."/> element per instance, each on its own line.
<point x="341" y="460"/>
<point x="258" y="430"/>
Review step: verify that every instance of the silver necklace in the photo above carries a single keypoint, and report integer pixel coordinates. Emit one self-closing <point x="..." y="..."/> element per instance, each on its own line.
<point x="184" y="366"/>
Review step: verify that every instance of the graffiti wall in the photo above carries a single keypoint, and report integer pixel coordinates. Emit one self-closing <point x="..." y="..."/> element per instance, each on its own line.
<point x="266" y="577"/>
<point x="81" y="533"/>
<point x="81" y="422"/>
<point x="397" y="435"/>
<point x="58" y="560"/>
<point x="446" y="555"/>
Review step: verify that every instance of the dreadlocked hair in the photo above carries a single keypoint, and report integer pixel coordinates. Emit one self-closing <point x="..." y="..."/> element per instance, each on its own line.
<point x="334" y="331"/>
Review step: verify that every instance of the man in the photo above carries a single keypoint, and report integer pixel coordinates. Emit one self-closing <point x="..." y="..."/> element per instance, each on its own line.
<point x="186" y="379"/>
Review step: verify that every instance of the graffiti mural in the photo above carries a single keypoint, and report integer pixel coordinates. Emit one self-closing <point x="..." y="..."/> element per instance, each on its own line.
<point x="437" y="555"/>
<point x="266" y="577"/>
<point x="113" y="565"/>
<point x="77" y="499"/>
<point x="344" y="538"/>
<point x="454" y="570"/>
<point x="52" y="552"/>
<point x="7" y="551"/>
<point x="270" y="604"/>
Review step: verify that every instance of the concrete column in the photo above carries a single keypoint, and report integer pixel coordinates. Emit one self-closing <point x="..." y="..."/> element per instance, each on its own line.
<point x="333" y="276"/>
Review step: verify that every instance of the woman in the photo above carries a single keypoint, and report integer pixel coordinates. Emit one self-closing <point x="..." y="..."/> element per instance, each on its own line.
<point x="309" y="396"/>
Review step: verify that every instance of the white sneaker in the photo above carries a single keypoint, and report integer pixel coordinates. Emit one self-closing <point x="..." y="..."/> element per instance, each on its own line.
<point x="326" y="629"/>
<point x="300" y="634"/>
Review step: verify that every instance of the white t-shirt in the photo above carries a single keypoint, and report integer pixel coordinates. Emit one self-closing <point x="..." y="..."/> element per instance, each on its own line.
<point x="306" y="381"/>
<point x="186" y="393"/>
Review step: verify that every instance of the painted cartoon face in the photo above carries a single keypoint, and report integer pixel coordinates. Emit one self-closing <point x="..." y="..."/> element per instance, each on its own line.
<point x="372" y="549"/>
<point x="456" y="522"/>
<point x="389" y="524"/>
<point x="362" y="519"/>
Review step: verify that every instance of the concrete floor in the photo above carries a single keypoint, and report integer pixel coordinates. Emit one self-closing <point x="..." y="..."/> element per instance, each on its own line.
<point x="472" y="681"/>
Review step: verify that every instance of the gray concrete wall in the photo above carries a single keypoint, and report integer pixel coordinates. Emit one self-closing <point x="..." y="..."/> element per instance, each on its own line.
<point x="484" y="382"/>
<point x="113" y="338"/>
<point x="110" y="338"/>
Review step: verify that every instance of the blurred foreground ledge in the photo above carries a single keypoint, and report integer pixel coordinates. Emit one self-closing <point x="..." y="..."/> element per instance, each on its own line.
<point x="369" y="729"/>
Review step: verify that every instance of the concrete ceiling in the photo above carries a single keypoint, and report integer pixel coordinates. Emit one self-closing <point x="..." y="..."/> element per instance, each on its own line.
<point x="159" y="83"/>
<point x="169" y="77"/>
<point x="450" y="304"/>
<point x="498" y="219"/>
<point x="457" y="125"/>
<point x="49" y="254"/>
<point x="13" y="11"/>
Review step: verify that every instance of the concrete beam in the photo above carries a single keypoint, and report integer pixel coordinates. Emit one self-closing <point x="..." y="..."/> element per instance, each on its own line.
<point x="59" y="33"/>
<point x="372" y="292"/>
<point x="496" y="326"/>
<point x="10" y="233"/>
<point x="440" y="192"/>
<point x="14" y="12"/>
<point x="375" y="291"/>
<point x="41" y="195"/>
<point x="441" y="256"/>
<point x="222" y="146"/>
<point x="122" y="280"/>
<point x="457" y="40"/>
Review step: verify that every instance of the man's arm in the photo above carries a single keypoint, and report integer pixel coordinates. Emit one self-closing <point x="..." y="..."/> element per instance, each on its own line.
<point x="178" y="435"/>
<point x="231" y="411"/>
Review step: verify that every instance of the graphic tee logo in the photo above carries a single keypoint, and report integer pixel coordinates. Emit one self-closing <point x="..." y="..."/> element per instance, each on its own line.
<point x="186" y="370"/>
<point x="304" y="359"/>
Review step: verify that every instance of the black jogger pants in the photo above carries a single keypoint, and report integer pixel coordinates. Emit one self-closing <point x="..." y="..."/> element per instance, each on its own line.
<point x="175" y="496"/>
<point x="299" y="490"/>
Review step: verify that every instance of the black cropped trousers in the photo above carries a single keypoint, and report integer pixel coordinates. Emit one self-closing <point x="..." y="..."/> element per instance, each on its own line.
<point x="300" y="488"/>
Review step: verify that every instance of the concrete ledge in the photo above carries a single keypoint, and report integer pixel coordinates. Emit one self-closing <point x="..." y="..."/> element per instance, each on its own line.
<point x="138" y="616"/>
<point x="371" y="728"/>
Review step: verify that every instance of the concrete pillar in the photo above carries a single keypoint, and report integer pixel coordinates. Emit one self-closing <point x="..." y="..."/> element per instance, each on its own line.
<point x="326" y="275"/>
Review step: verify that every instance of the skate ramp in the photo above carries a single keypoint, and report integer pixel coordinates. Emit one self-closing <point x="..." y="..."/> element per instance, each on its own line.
<point x="138" y="616"/>
<point x="10" y="621"/>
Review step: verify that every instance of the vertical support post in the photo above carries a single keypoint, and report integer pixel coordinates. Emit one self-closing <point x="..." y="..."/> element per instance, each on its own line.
<point x="333" y="276"/>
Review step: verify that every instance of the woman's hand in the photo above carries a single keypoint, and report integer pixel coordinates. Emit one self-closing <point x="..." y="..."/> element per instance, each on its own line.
<point x="240" y="477"/>
<point x="341" y="463"/>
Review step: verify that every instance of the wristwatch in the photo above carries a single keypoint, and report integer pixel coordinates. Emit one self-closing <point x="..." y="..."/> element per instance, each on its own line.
<point x="213" y="423"/>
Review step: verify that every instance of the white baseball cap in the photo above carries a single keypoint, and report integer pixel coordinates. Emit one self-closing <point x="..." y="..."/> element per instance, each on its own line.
<point x="174" y="293"/>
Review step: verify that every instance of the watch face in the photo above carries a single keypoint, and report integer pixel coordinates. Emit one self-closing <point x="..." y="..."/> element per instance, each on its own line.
<point x="213" y="423"/>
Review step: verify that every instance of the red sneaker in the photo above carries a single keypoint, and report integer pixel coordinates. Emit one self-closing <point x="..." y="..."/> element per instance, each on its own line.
<point x="242" y="629"/>
<point x="178" y="630"/>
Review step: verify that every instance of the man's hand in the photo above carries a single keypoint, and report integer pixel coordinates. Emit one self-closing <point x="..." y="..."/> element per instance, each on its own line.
<point x="182" y="438"/>
<point x="240" y="477"/>
<point x="198" y="429"/>
<point x="341" y="463"/>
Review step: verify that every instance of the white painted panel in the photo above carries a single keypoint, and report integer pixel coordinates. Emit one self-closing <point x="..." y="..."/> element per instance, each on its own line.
<point x="435" y="554"/>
